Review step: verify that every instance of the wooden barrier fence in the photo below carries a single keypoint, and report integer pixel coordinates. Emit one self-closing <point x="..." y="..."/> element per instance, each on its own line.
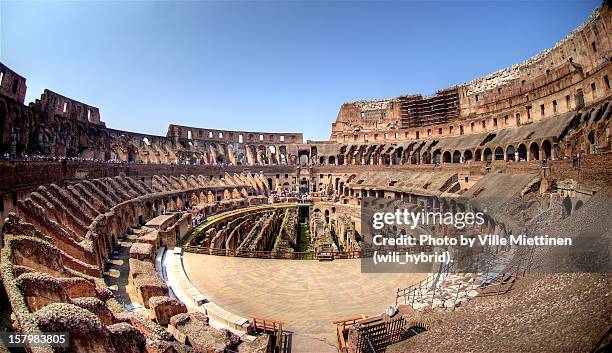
<point x="271" y="327"/>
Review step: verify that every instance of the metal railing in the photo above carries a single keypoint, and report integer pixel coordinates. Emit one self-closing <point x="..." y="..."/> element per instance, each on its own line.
<point x="417" y="291"/>
<point x="521" y="264"/>
<point x="264" y="254"/>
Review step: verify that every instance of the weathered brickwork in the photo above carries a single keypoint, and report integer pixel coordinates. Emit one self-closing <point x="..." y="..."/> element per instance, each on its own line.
<point x="91" y="216"/>
<point x="574" y="73"/>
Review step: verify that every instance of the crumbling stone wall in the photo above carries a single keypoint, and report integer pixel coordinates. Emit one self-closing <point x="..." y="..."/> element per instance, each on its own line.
<point x="69" y="214"/>
<point x="164" y="308"/>
<point x="55" y="252"/>
<point x="12" y="84"/>
<point x="54" y="104"/>
<point x="576" y="72"/>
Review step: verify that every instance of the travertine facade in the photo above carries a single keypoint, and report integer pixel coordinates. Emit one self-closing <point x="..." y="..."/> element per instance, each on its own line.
<point x="574" y="73"/>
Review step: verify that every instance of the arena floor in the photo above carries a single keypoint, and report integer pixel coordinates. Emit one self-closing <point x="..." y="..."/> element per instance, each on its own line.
<point x="306" y="295"/>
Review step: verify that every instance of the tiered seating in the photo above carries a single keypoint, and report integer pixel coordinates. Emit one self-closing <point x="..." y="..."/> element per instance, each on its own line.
<point x="56" y="252"/>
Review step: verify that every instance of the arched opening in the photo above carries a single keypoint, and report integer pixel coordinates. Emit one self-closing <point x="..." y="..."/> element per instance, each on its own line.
<point x="437" y="157"/>
<point x="510" y="153"/>
<point x="446" y="157"/>
<point x="547" y="149"/>
<point x="415" y="157"/>
<point x="397" y="154"/>
<point x="478" y="155"/>
<point x="426" y="158"/>
<point x="303" y="157"/>
<point x="567" y="205"/>
<point x="499" y="154"/>
<point x="467" y="155"/>
<point x="534" y="149"/>
<point x="313" y="151"/>
<point x="321" y="160"/>
<point x="386" y="159"/>
<point x="522" y="153"/>
<point x="332" y="160"/>
<point x="456" y="157"/>
<point x="579" y="204"/>
<point x="406" y="155"/>
<point x="488" y="154"/>
<point x="262" y="154"/>
<point x="304" y="186"/>
<point x="132" y="154"/>
<point x="240" y="158"/>
<point x="282" y="150"/>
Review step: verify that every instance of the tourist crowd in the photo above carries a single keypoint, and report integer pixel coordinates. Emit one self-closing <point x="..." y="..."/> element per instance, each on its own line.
<point x="41" y="158"/>
<point x="199" y="218"/>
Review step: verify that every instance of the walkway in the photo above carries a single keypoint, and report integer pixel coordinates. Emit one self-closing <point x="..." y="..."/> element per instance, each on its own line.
<point x="306" y="295"/>
<point x="117" y="275"/>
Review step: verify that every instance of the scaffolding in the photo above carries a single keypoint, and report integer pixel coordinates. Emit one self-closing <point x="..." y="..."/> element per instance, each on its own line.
<point x="417" y="111"/>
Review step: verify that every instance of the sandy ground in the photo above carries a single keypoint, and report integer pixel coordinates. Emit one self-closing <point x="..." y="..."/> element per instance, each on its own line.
<point x="306" y="295"/>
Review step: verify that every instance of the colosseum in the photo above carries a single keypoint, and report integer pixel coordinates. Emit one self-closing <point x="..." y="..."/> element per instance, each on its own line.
<point x="207" y="240"/>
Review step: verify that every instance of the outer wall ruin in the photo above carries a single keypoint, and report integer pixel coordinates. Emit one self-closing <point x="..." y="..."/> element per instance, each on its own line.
<point x="90" y="215"/>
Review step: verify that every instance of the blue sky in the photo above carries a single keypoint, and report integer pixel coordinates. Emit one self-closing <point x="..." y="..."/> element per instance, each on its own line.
<point x="265" y="66"/>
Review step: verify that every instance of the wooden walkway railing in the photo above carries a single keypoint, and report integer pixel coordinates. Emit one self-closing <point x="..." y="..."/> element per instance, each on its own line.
<point x="267" y="325"/>
<point x="342" y="329"/>
<point x="272" y="327"/>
